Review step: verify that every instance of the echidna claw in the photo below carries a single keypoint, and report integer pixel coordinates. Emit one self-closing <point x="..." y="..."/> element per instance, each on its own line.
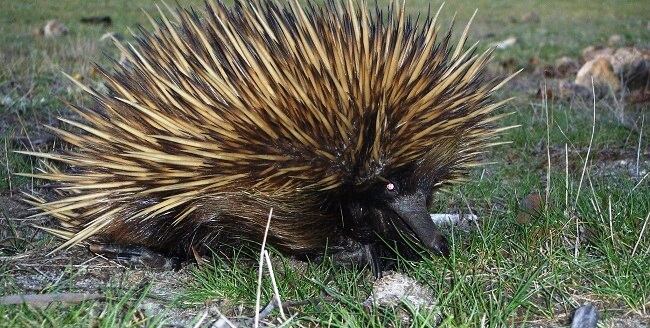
<point x="360" y="256"/>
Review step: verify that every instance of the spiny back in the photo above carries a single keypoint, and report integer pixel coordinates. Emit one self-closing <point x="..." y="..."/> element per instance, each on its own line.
<point x="291" y="107"/>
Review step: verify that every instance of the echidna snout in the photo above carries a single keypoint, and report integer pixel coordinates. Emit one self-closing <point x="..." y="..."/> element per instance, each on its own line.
<point x="413" y="210"/>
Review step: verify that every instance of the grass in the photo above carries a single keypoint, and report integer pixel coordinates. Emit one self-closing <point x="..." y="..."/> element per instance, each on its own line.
<point x="590" y="244"/>
<point x="120" y="308"/>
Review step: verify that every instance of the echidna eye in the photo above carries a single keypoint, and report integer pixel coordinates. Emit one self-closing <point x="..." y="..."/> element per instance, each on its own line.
<point x="390" y="186"/>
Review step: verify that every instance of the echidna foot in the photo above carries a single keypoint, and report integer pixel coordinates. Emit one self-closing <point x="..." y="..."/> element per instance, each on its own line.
<point x="137" y="255"/>
<point x="358" y="255"/>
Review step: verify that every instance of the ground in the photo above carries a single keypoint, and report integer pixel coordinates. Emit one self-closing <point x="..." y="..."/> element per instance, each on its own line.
<point x="588" y="243"/>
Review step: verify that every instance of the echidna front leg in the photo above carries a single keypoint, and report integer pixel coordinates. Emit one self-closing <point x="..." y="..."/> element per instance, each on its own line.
<point x="351" y="252"/>
<point x="362" y="256"/>
<point x="137" y="255"/>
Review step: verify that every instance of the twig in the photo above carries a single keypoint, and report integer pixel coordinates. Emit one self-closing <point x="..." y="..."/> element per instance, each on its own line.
<point x="8" y="168"/>
<point x="566" y="177"/>
<point x="42" y="300"/>
<point x="640" y="181"/>
<point x="645" y="223"/>
<point x="591" y="141"/>
<point x="609" y="212"/>
<point x="287" y="306"/>
<point x="223" y="321"/>
<point x="547" y="190"/>
<point x="260" y="271"/>
<point x="638" y="148"/>
<point x="276" y="290"/>
<point x="266" y="310"/>
<point x="478" y="228"/>
<point x="203" y="316"/>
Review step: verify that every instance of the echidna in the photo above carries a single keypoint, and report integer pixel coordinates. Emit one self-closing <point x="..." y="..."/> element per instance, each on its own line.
<point x="342" y="121"/>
